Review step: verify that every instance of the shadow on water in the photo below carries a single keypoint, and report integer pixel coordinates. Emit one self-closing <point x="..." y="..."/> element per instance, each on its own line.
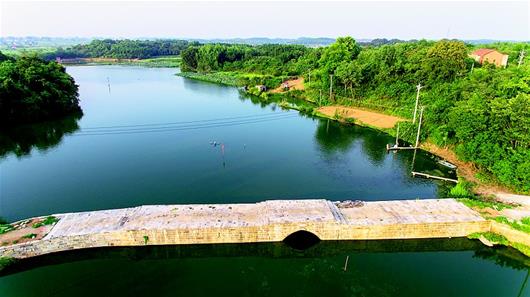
<point x="22" y="140"/>
<point x="502" y="256"/>
<point x="334" y="137"/>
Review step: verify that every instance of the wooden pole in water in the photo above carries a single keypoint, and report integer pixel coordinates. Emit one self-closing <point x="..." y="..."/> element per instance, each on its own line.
<point x="346" y="263"/>
<point x="413" y="160"/>
<point x="419" y="127"/>
<point x="524" y="284"/>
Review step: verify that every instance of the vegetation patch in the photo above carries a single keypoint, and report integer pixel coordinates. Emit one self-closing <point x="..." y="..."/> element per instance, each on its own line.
<point x="34" y="90"/>
<point x="480" y="202"/>
<point x="461" y="190"/>
<point x="30" y="236"/>
<point x="522" y="225"/>
<point x="4" y="228"/>
<point x="501" y="240"/>
<point x="493" y="237"/>
<point x="6" y="261"/>
<point x="50" y="220"/>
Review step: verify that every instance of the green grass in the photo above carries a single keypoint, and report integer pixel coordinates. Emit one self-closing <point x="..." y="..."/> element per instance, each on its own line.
<point x="47" y="221"/>
<point x="499" y="239"/>
<point x="224" y="78"/>
<point x="481" y="203"/>
<point x="4" y="228"/>
<point x="493" y="237"/>
<point x="235" y="78"/>
<point x="461" y="190"/>
<point x="165" y="61"/>
<point x="522" y="226"/>
<point x="30" y="235"/>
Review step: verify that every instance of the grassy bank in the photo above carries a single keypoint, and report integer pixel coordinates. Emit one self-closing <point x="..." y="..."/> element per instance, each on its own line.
<point x="498" y="239"/>
<point x="236" y="78"/>
<point x="223" y="78"/>
<point x="166" y="62"/>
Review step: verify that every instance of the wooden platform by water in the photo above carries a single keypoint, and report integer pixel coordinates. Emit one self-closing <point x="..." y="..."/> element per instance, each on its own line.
<point x="421" y="174"/>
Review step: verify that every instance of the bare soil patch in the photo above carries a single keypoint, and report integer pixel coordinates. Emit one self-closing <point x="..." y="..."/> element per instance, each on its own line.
<point x="293" y="84"/>
<point x="370" y="118"/>
<point x="23" y="230"/>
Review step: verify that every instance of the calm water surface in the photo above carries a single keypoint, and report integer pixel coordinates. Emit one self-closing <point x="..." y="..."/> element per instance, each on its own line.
<point x="146" y="138"/>
<point x="394" y="269"/>
<point x="267" y="152"/>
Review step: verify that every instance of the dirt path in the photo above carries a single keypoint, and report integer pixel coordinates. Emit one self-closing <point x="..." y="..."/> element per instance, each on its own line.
<point x="469" y="171"/>
<point x="370" y="118"/>
<point x="293" y="84"/>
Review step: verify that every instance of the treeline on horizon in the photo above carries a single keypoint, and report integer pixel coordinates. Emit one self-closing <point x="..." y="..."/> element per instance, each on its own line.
<point x="143" y="49"/>
<point x="482" y="111"/>
<point x="121" y="49"/>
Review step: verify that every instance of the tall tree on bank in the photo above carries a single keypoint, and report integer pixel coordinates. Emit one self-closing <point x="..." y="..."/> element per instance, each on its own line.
<point x="32" y="90"/>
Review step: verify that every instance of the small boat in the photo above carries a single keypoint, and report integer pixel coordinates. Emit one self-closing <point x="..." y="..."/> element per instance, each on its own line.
<point x="447" y="164"/>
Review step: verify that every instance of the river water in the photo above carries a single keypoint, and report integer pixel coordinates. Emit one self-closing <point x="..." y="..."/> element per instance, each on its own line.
<point x="150" y="137"/>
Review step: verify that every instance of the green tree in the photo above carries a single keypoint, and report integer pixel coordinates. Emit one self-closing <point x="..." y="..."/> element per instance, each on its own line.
<point x="445" y="60"/>
<point x="32" y="90"/>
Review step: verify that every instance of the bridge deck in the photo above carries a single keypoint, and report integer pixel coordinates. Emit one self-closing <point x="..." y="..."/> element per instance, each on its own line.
<point x="254" y="222"/>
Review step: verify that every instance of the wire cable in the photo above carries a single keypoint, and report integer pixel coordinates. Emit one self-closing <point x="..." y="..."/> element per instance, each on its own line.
<point x="186" y="122"/>
<point x="181" y="128"/>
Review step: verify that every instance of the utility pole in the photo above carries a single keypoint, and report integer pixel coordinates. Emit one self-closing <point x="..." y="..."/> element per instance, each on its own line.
<point x="472" y="66"/>
<point x="419" y="127"/>
<point x="521" y="57"/>
<point x="418" y="88"/>
<point x="330" y="86"/>
<point x="320" y="99"/>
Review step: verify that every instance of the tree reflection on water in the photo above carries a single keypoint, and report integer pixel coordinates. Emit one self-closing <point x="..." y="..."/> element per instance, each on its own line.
<point x="22" y="140"/>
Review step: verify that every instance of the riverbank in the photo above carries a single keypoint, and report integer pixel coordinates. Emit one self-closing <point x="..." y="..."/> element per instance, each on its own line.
<point x="360" y="116"/>
<point x="163" y="61"/>
<point x="485" y="191"/>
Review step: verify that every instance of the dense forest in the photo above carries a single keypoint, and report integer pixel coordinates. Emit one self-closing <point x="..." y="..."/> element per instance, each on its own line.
<point x="120" y="49"/>
<point x="481" y="111"/>
<point x="33" y="90"/>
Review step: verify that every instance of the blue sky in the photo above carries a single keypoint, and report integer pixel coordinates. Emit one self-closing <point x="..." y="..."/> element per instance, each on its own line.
<point x="219" y="19"/>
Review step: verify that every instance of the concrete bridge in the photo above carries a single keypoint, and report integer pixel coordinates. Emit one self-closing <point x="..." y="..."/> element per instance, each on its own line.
<point x="268" y="221"/>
